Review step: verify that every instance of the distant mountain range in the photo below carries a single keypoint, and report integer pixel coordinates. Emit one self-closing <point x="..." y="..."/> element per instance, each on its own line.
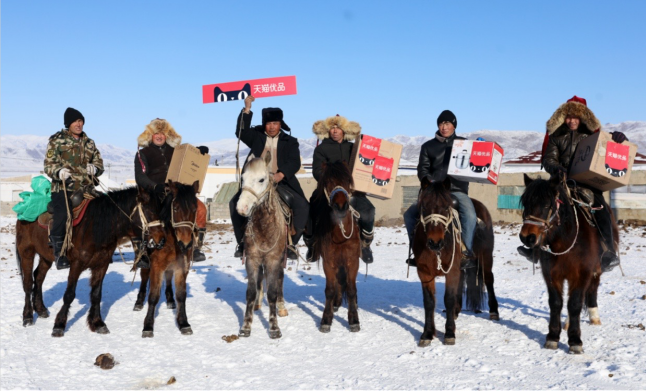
<point x="23" y="155"/>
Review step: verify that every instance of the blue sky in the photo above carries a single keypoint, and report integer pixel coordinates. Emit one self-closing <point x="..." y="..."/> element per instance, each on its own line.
<point x="391" y="66"/>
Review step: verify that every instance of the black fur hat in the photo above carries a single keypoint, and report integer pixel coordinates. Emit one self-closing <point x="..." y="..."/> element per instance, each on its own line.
<point x="447" y="116"/>
<point x="271" y="114"/>
<point x="72" y="115"/>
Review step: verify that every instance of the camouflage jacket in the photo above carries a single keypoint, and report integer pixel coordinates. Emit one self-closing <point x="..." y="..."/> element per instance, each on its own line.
<point x="63" y="150"/>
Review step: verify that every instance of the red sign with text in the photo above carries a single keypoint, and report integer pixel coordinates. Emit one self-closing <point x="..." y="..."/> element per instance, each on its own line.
<point x="239" y="90"/>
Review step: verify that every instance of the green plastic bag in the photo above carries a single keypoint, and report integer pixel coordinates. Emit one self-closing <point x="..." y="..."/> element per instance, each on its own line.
<point x="34" y="203"/>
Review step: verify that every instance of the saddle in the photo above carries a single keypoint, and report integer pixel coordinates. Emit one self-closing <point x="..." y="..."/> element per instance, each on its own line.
<point x="286" y="201"/>
<point x="46" y="219"/>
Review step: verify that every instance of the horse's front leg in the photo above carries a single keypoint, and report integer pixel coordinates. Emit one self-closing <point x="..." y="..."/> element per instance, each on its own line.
<point x="170" y="297"/>
<point x="428" y="291"/>
<point x="37" y="294"/>
<point x="591" y="301"/>
<point x="27" y="266"/>
<point x="70" y="293"/>
<point x="153" y="299"/>
<point x="94" y="319"/>
<point x="282" y="310"/>
<point x="555" y="297"/>
<point x="141" y="296"/>
<point x="451" y="302"/>
<point x="252" y="291"/>
<point x="274" y="277"/>
<point x="180" y="288"/>
<point x="353" y="306"/>
<point x="260" y="292"/>
<point x="574" y="306"/>
<point x="330" y="298"/>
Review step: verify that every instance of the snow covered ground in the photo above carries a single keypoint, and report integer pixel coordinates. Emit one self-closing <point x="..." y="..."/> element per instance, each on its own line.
<point x="384" y="355"/>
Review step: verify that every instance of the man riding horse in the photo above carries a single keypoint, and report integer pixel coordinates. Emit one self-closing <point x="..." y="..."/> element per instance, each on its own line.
<point x="152" y="162"/>
<point x="335" y="134"/>
<point x="433" y="164"/>
<point x="73" y="162"/>
<point x="572" y="122"/>
<point x="285" y="163"/>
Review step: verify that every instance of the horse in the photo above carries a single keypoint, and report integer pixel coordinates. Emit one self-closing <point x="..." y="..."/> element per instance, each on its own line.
<point x="337" y="242"/>
<point x="109" y="217"/>
<point x="571" y="251"/>
<point x="265" y="241"/>
<point x="437" y="248"/>
<point x="174" y="258"/>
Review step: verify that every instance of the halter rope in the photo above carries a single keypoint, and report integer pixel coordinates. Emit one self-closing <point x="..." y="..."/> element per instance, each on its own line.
<point x="450" y="221"/>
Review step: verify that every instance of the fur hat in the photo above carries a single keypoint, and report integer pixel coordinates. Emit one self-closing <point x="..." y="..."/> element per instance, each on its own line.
<point x="575" y="107"/>
<point x="447" y="116"/>
<point x="159" y="126"/>
<point x="271" y="114"/>
<point x="70" y="116"/>
<point x="350" y="129"/>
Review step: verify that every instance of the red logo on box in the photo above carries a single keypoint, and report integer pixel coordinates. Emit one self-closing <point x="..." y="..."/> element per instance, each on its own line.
<point x="239" y="90"/>
<point x="382" y="170"/>
<point x="617" y="159"/>
<point x="369" y="150"/>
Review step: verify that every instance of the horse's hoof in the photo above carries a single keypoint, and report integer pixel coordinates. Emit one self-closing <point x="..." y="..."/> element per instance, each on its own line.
<point x="186" y="330"/>
<point x="275" y="334"/>
<point x="424" y="343"/>
<point x="596" y="322"/>
<point x="171" y="306"/>
<point x="103" y="330"/>
<point x="282" y="313"/>
<point x="138" y="307"/>
<point x="244" y="333"/>
<point x="355" y="327"/>
<point x="147" y="334"/>
<point x="28" y="322"/>
<point x="494" y="316"/>
<point x="45" y="314"/>
<point x="335" y="309"/>
<point x="449" y="341"/>
<point x="553" y="345"/>
<point x="576" y="349"/>
<point x="325" y="328"/>
<point x="257" y="308"/>
<point x="58" y="332"/>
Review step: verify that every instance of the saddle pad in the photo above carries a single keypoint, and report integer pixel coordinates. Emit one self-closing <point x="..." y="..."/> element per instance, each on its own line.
<point x="78" y="212"/>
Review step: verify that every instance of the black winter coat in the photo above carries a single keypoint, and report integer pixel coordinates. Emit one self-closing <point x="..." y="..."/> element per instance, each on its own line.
<point x="434" y="158"/>
<point x="288" y="151"/>
<point x="561" y="146"/>
<point x="155" y="161"/>
<point x="330" y="151"/>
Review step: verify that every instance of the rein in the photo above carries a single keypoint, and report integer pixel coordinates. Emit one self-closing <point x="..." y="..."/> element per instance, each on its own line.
<point x="450" y="221"/>
<point x="354" y="213"/>
<point x="547" y="224"/>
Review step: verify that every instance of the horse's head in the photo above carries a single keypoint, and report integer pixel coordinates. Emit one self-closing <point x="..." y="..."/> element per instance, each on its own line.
<point x="182" y="204"/>
<point x="256" y="183"/>
<point x="147" y="216"/>
<point x="336" y="183"/>
<point x="436" y="209"/>
<point x="541" y="204"/>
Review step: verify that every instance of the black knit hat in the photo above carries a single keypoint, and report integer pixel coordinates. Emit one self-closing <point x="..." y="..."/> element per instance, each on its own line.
<point x="447" y="116"/>
<point x="72" y="115"/>
<point x="271" y="114"/>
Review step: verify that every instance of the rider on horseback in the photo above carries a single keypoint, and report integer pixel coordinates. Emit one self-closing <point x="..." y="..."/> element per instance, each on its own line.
<point x="72" y="161"/>
<point x="285" y="163"/>
<point x="151" y="168"/>
<point x="433" y="164"/>
<point x="572" y="122"/>
<point x="335" y="134"/>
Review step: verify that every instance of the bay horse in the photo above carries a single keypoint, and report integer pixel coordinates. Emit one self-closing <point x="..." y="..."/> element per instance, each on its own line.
<point x="337" y="242"/>
<point x="569" y="250"/>
<point x="108" y="218"/>
<point x="265" y="241"/>
<point x="437" y="248"/>
<point x="174" y="258"/>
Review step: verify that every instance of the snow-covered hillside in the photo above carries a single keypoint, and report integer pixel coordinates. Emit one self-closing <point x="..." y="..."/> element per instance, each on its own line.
<point x="505" y="354"/>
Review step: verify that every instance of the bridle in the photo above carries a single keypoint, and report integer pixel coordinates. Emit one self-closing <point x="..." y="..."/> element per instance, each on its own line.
<point x="450" y="222"/>
<point x="354" y="213"/>
<point x="548" y="223"/>
<point x="146" y="225"/>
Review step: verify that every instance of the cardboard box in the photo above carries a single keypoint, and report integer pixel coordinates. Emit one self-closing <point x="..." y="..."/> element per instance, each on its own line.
<point x="601" y="163"/>
<point x="374" y="164"/>
<point x="188" y="165"/>
<point x="476" y="161"/>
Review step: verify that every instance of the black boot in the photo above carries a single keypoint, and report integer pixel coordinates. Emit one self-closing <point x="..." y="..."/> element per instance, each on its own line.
<point x="239" y="250"/>
<point x="412" y="261"/>
<point x="198" y="255"/>
<point x="527" y="253"/>
<point x="309" y="242"/>
<point x="366" y="240"/>
<point x="137" y="248"/>
<point x="468" y="260"/>
<point x="608" y="261"/>
<point x="61" y="260"/>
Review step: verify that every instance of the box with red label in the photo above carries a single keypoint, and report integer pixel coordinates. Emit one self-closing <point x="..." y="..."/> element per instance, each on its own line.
<point x="374" y="164"/>
<point x="476" y="161"/>
<point x="188" y="165"/>
<point x="601" y="163"/>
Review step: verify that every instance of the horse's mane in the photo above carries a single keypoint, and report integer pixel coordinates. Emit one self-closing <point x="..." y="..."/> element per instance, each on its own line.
<point x="109" y="211"/>
<point x="185" y="195"/>
<point x="337" y="173"/>
<point x="434" y="194"/>
<point x="541" y="192"/>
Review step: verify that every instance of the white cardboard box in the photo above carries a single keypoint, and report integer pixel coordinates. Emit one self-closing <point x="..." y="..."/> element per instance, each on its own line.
<point x="476" y="161"/>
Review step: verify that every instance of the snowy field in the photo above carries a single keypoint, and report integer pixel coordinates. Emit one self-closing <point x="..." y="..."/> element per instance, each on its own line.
<point x="507" y="354"/>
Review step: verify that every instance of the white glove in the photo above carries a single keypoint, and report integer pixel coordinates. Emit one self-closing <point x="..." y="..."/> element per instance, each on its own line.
<point x="64" y="173"/>
<point x="91" y="169"/>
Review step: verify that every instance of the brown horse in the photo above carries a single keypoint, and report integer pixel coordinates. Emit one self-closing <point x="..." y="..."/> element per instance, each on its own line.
<point x="175" y="257"/>
<point x="265" y="241"/>
<point x="571" y="251"/>
<point x="107" y="219"/>
<point x="437" y="249"/>
<point x="337" y="241"/>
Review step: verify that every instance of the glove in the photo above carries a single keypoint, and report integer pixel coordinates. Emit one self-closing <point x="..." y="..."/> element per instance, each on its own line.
<point x="561" y="172"/>
<point x="160" y="191"/>
<point x="91" y="169"/>
<point x="64" y="174"/>
<point x="203" y="150"/>
<point x="618" y="137"/>
<point x="480" y="139"/>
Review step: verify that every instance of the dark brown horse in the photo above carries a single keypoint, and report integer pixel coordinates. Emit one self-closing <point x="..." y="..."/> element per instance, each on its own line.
<point x="175" y="257"/>
<point x="437" y="247"/>
<point x="569" y="250"/>
<point x="337" y="241"/>
<point x="107" y="219"/>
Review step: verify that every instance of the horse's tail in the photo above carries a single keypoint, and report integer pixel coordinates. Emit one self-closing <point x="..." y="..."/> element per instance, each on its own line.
<point x="474" y="289"/>
<point x="341" y="277"/>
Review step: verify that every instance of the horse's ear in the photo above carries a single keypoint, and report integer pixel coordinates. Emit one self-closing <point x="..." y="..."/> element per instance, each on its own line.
<point x="447" y="183"/>
<point x="527" y="179"/>
<point x="268" y="158"/>
<point x="425" y="182"/>
<point x="251" y="156"/>
<point x="172" y="186"/>
<point x="196" y="186"/>
<point x="144" y="196"/>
